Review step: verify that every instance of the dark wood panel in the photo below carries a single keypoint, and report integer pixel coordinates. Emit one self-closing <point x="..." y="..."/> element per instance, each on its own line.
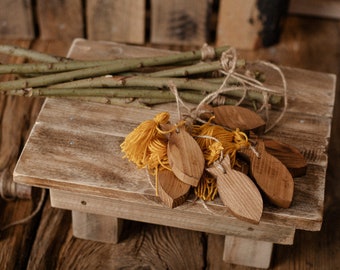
<point x="120" y="20"/>
<point x="60" y="19"/>
<point x="16" y="19"/>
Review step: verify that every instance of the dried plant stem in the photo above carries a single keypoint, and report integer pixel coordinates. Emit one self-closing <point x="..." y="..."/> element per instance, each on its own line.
<point x="41" y="68"/>
<point x="202" y="67"/>
<point x="114" y="67"/>
<point x="85" y="79"/>
<point x="145" y="96"/>
<point x="30" y="54"/>
<point x="181" y="83"/>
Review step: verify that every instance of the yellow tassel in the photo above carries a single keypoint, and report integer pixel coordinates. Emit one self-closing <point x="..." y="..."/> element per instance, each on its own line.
<point x="207" y="188"/>
<point x="216" y="141"/>
<point x="146" y="145"/>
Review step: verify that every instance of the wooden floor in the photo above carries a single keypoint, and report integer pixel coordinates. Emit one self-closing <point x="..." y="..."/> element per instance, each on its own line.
<point x="46" y="242"/>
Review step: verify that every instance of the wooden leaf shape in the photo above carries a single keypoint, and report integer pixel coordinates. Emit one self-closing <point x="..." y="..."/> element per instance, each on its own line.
<point x="185" y="157"/>
<point x="238" y="192"/>
<point x="235" y="117"/>
<point x="271" y="175"/>
<point x="171" y="190"/>
<point x="206" y="112"/>
<point x="290" y="156"/>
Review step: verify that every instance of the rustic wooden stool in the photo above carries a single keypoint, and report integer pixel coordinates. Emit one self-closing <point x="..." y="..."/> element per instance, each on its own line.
<point x="74" y="151"/>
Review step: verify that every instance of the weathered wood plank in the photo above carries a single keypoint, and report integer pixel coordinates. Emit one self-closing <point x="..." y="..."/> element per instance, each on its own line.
<point x="191" y="216"/>
<point x="150" y="247"/>
<point x="16" y="20"/>
<point x="143" y="244"/>
<point x="120" y="20"/>
<point x="98" y="119"/>
<point x="53" y="232"/>
<point x="320" y="8"/>
<point x="251" y="24"/>
<point x="104" y="229"/>
<point x="247" y="252"/>
<point x="16" y="242"/>
<point x="60" y="20"/>
<point x="179" y="22"/>
<point x="230" y="21"/>
<point x="111" y="168"/>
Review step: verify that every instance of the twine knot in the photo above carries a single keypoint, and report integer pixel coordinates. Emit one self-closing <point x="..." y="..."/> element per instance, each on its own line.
<point x="207" y="52"/>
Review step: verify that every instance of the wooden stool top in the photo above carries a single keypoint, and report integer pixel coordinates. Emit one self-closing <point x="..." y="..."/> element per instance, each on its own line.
<point x="74" y="150"/>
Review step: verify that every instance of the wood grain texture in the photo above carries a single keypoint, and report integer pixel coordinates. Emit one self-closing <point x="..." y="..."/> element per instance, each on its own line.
<point x="149" y="247"/>
<point x="60" y="20"/>
<point x="104" y="229"/>
<point x="230" y="22"/>
<point x="251" y="24"/>
<point x="120" y="20"/>
<point x="179" y="22"/>
<point x="237" y="192"/>
<point x="111" y="168"/>
<point x="247" y="252"/>
<point x="270" y="174"/>
<point x="189" y="216"/>
<point x="185" y="157"/>
<point x="234" y="117"/>
<point x="143" y="245"/>
<point x="290" y="156"/>
<point x="22" y="26"/>
<point x="53" y="231"/>
<point x="16" y="242"/>
<point x="172" y="191"/>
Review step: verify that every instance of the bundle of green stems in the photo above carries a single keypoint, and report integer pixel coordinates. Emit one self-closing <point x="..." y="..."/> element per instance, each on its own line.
<point x="119" y="81"/>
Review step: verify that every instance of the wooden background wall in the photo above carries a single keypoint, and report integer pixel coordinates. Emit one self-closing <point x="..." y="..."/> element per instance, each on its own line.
<point x="173" y="22"/>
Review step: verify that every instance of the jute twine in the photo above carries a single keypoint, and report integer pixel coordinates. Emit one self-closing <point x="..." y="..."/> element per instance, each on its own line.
<point x="245" y="83"/>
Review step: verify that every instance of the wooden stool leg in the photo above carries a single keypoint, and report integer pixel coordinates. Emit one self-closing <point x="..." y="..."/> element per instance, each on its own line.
<point x="247" y="252"/>
<point x="96" y="227"/>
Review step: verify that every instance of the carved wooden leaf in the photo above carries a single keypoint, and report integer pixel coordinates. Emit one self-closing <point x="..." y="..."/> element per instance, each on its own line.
<point x="171" y="190"/>
<point x="234" y="117"/>
<point x="271" y="175"/>
<point x="185" y="157"/>
<point x="290" y="156"/>
<point x="238" y="192"/>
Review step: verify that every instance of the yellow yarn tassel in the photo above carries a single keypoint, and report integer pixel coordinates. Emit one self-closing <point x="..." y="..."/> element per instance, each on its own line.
<point x="146" y="145"/>
<point x="207" y="188"/>
<point x="216" y="141"/>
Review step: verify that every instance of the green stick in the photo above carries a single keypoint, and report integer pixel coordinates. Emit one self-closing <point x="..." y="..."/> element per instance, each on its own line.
<point x="30" y="54"/>
<point x="115" y="67"/>
<point x="40" y="68"/>
<point x="181" y="83"/>
<point x="146" y="96"/>
<point x="202" y="67"/>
